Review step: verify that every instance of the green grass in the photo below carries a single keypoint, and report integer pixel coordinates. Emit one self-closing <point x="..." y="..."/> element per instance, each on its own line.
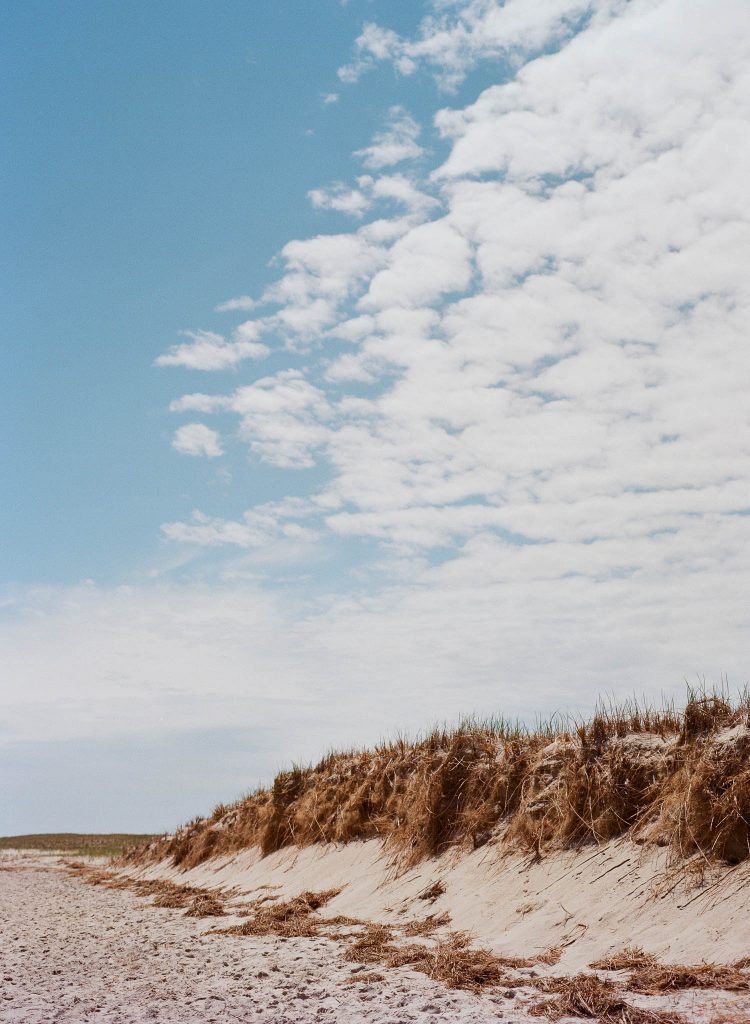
<point x="109" y="845"/>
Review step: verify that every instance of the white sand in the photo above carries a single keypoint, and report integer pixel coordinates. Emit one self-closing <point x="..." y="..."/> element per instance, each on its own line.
<point x="72" y="952"/>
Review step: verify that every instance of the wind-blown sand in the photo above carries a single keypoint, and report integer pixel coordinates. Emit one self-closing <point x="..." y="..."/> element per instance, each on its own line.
<point x="76" y="952"/>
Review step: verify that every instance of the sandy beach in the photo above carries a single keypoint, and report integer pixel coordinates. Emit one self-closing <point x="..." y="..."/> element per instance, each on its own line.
<point x="75" y="952"/>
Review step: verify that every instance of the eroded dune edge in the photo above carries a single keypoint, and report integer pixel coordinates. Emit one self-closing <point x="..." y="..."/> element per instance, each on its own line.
<point x="679" y="780"/>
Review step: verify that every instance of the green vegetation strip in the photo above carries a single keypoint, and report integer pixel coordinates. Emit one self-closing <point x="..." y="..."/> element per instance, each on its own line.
<point x="109" y="845"/>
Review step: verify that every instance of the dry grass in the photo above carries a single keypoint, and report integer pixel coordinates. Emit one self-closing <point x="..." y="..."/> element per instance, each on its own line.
<point x="653" y="979"/>
<point x="454" y="963"/>
<point x="649" y="977"/>
<point x="679" y="779"/>
<point x="426" y="926"/>
<point x="169" y="895"/>
<point x="433" y="891"/>
<point x="589" y="997"/>
<point x="372" y="946"/>
<point x="205" y="906"/>
<point x="366" y="978"/>
<point x="451" y="960"/>
<point x="295" y="918"/>
<point x="198" y="902"/>
<point x="626" y="959"/>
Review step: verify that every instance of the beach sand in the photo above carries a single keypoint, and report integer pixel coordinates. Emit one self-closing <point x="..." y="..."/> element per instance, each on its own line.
<point x="73" y="952"/>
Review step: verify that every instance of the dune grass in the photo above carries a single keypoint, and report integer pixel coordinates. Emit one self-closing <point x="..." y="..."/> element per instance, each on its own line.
<point x="678" y="778"/>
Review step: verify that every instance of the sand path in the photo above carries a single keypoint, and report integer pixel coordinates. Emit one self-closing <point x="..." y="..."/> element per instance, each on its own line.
<point x="72" y="952"/>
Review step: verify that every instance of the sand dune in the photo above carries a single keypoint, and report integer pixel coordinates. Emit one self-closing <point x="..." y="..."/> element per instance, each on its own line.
<point x="597" y="873"/>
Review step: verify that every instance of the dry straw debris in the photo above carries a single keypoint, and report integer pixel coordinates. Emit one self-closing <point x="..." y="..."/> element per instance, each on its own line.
<point x="626" y="959"/>
<point x="589" y="997"/>
<point x="677" y="779"/>
<point x="295" y="918"/>
<point x="653" y="979"/>
<point x="433" y="891"/>
<point x="450" y="960"/>
<point x="367" y="978"/>
<point x="426" y="926"/>
<point x="198" y="901"/>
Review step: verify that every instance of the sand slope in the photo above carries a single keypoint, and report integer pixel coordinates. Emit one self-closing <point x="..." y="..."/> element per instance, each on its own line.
<point x="591" y="902"/>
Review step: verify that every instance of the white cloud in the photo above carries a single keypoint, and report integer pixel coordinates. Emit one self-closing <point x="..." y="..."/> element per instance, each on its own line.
<point x="425" y="264"/>
<point x="558" y="354"/>
<point x="273" y="527"/>
<point x="330" y="97"/>
<point x="398" y="142"/>
<point x="341" y="198"/>
<point x="197" y="439"/>
<point x="207" y="350"/>
<point x="459" y="35"/>
<point x="242" y="302"/>
<point x="399" y="189"/>
<point x="282" y="418"/>
<point x="395" y="188"/>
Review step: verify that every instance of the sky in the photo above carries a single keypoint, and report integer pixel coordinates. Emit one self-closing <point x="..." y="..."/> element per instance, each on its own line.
<point x="365" y="365"/>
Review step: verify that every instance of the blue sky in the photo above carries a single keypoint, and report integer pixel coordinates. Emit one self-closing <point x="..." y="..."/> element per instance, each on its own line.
<point x="366" y="364"/>
<point x="158" y="158"/>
